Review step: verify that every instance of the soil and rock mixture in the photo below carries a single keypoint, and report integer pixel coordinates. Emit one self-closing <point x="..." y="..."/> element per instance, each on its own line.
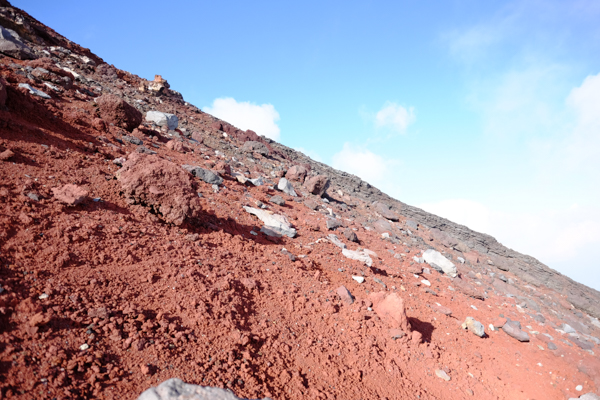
<point x="136" y="248"/>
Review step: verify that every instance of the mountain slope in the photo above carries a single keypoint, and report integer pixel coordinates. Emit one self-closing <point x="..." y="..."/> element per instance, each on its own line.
<point x="137" y="247"/>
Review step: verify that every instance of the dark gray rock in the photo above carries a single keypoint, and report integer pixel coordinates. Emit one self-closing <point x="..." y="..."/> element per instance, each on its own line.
<point x="12" y="45"/>
<point x="333" y="224"/>
<point x="204" y="174"/>
<point x="552" y="346"/>
<point x="512" y="330"/>
<point x="384" y="210"/>
<point x="132" y="140"/>
<point x="350" y="235"/>
<point x="277" y="200"/>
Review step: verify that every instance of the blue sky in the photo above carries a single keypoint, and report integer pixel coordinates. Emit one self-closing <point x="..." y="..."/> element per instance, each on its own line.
<point x="487" y="113"/>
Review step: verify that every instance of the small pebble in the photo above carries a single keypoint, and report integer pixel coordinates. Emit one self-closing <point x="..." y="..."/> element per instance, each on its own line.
<point x="43" y="296"/>
<point x="84" y="346"/>
<point x="442" y="374"/>
<point x="579" y="388"/>
<point x="358" y="279"/>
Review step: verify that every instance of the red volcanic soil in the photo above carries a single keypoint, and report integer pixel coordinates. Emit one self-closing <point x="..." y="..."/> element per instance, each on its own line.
<point x="106" y="294"/>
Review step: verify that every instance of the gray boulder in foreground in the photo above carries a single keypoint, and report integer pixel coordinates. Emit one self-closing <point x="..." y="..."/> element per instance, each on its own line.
<point x="176" y="389"/>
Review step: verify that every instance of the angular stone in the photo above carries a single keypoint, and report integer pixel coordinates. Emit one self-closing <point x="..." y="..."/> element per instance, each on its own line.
<point x="358" y="256"/>
<point x="70" y="194"/>
<point x="435" y="257"/>
<point x="384" y="210"/>
<point x="333" y="224"/>
<point x="12" y="46"/>
<point x="286" y="187"/>
<point x="334" y="239"/>
<point x="176" y="389"/>
<point x="441" y="374"/>
<point x="350" y="235"/>
<point x="390" y="308"/>
<point x="163" y="119"/>
<point x="35" y="91"/>
<point x="513" y="331"/>
<point x="277" y="200"/>
<point x="383" y="226"/>
<point x="317" y="185"/>
<point x="551" y="346"/>
<point x="474" y="326"/>
<point x="296" y="173"/>
<point x="204" y="174"/>
<point x="273" y="222"/>
<point x="311" y="204"/>
<point x="115" y="110"/>
<point x="345" y="295"/>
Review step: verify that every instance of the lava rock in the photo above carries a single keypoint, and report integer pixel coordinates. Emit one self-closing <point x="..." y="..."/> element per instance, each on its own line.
<point x="296" y="173"/>
<point x="390" y="308"/>
<point x="12" y="46"/>
<point x="350" y="235"/>
<point x="204" y="174"/>
<point x="435" y="257"/>
<point x="117" y="111"/>
<point x="161" y="185"/>
<point x="345" y="295"/>
<point x="311" y="204"/>
<point x="317" y="185"/>
<point x="277" y="200"/>
<point x="70" y="194"/>
<point x="512" y="330"/>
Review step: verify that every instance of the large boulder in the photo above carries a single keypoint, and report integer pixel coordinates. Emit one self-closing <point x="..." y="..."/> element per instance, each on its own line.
<point x="163" y="119"/>
<point x="384" y="210"/>
<point x="436" y="259"/>
<point x="117" y="111"/>
<point x="161" y="185"/>
<point x="390" y="308"/>
<point x="383" y="226"/>
<point x="205" y="174"/>
<point x="176" y="389"/>
<point x="296" y="173"/>
<point x="275" y="224"/>
<point x="317" y="184"/>
<point x="12" y="45"/>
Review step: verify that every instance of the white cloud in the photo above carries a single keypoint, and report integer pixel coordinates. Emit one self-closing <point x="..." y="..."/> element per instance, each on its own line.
<point x="262" y="119"/>
<point x="465" y="212"/>
<point x="395" y="116"/>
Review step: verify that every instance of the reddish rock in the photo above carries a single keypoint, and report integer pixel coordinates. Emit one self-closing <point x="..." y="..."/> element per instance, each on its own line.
<point x="441" y="309"/>
<point x="117" y="111"/>
<point x="499" y="323"/>
<point x="177" y="145"/>
<point x="390" y="309"/>
<point x="416" y="337"/>
<point x="70" y="194"/>
<point x="6" y="155"/>
<point x="345" y="295"/>
<point x="197" y="136"/>
<point x="161" y="185"/>
<point x="317" y="185"/>
<point x="296" y="173"/>
<point x="466" y="288"/>
<point x="222" y="168"/>
<point x="311" y="204"/>
<point x="217" y="125"/>
<point x="415" y="269"/>
<point x="255" y="147"/>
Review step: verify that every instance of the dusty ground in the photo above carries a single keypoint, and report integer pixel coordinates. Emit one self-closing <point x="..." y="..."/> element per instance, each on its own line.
<point x="213" y="304"/>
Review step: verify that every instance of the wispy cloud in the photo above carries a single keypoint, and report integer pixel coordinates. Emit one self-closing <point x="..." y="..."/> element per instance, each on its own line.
<point x="395" y="117"/>
<point x="246" y="115"/>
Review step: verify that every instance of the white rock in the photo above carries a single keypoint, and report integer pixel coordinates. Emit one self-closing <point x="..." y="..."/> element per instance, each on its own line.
<point x="358" y="279"/>
<point x="163" y="119"/>
<point x="274" y="223"/>
<point x="579" y="388"/>
<point x="426" y="282"/>
<point x="34" y="91"/>
<point x="334" y="239"/>
<point x="435" y="257"/>
<point x="84" y="346"/>
<point x="43" y="296"/>
<point x="286" y="187"/>
<point x="358" y="256"/>
<point x="176" y="389"/>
